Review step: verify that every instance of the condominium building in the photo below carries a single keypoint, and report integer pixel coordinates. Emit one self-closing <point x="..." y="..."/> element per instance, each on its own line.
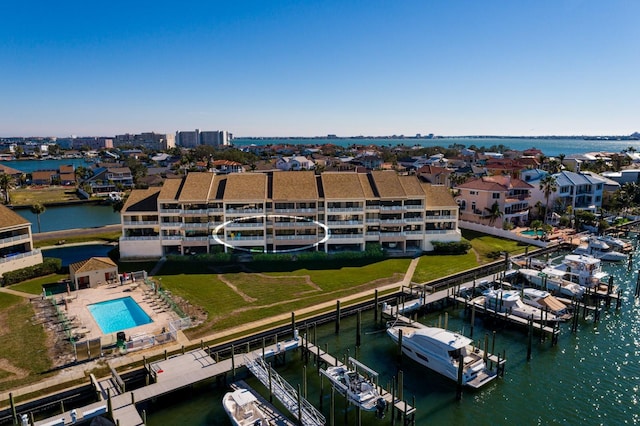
<point x="284" y="211"/>
<point x="16" y="242"/>
<point x="149" y="140"/>
<point x="191" y="139"/>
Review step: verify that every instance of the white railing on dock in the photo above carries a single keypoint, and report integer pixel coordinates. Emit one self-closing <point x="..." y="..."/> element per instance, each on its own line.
<point x="285" y="393"/>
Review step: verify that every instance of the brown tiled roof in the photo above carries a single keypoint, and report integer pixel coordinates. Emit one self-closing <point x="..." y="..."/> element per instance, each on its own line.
<point x="226" y="163"/>
<point x="342" y="185"/>
<point x="142" y="200"/>
<point x="388" y="184"/>
<point x="43" y="174"/>
<point x="365" y="182"/>
<point x="122" y="170"/>
<point x="9" y="218"/>
<point x="294" y="186"/>
<point x="196" y="187"/>
<point x="9" y="170"/>
<point x="438" y="196"/>
<point x="217" y="188"/>
<point x="66" y="168"/>
<point x="411" y="186"/>
<point x="246" y="186"/>
<point x="495" y="183"/>
<point x="67" y="177"/>
<point x="93" y="264"/>
<point x="170" y="189"/>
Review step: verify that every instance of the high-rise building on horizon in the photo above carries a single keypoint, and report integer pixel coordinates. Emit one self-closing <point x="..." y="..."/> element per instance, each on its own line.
<point x="192" y="139"/>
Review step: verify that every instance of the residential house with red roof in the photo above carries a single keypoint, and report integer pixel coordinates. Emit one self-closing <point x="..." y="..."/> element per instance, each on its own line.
<point x="477" y="197"/>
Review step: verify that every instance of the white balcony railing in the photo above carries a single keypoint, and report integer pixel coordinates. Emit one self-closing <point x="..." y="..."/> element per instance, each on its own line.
<point x="18" y="256"/>
<point x="14" y="239"/>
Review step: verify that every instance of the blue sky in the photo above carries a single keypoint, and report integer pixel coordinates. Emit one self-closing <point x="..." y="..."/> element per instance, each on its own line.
<point x="304" y="68"/>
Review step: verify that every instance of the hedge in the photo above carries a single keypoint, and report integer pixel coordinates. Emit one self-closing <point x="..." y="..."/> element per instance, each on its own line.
<point x="50" y="265"/>
<point x="452" y="247"/>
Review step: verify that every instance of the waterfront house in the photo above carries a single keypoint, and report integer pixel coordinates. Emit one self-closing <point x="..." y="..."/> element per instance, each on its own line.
<point x="435" y="175"/>
<point x="581" y="191"/>
<point x="295" y="163"/>
<point x="227" y="166"/>
<point x="93" y="272"/>
<point x="275" y="211"/>
<point x="109" y="179"/>
<point x="477" y="198"/>
<point x="43" y="177"/>
<point x="16" y="242"/>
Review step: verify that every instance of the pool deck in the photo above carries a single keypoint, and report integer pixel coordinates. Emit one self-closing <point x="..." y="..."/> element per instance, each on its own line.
<point x="76" y="311"/>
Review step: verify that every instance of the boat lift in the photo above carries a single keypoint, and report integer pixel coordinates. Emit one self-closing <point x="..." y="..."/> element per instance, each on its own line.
<point x="285" y="393"/>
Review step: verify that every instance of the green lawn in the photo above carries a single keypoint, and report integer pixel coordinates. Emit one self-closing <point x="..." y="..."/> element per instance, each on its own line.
<point x="433" y="267"/>
<point x="105" y="236"/>
<point x="22" y="344"/>
<point x="485" y="244"/>
<point x="272" y="289"/>
<point x="34" y="286"/>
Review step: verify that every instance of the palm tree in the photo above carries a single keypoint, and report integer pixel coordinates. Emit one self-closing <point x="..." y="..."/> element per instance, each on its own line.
<point x="494" y="213"/>
<point x="38" y="209"/>
<point x="6" y="182"/>
<point x="548" y="185"/>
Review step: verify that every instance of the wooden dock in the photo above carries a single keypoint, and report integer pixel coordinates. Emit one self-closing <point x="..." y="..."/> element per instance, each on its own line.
<point x="172" y="374"/>
<point x="399" y="406"/>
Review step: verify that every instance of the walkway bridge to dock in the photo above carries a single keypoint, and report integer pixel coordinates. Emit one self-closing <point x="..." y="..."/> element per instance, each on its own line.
<point x="286" y="394"/>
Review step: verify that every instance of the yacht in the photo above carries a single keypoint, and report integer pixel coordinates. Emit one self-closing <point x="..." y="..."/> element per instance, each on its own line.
<point x="544" y="300"/>
<point x="243" y="408"/>
<point x="441" y="351"/>
<point x="509" y="302"/>
<point x="552" y="279"/>
<point x="616" y="243"/>
<point x="600" y="250"/>
<point x="359" y="389"/>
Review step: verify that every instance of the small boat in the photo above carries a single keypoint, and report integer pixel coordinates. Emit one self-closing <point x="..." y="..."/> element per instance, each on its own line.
<point x="600" y="250"/>
<point x="616" y="243"/>
<point x="544" y="300"/>
<point x="359" y="389"/>
<point x="243" y="409"/>
<point x="441" y="351"/>
<point x="552" y="279"/>
<point x="509" y="302"/>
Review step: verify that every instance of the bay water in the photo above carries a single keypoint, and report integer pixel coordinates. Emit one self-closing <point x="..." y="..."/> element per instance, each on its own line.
<point x="591" y="377"/>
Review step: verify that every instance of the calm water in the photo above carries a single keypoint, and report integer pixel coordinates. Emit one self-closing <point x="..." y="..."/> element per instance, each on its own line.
<point x="28" y="166"/>
<point x="589" y="378"/>
<point x="56" y="218"/>
<point x="550" y="147"/>
<point x="75" y="254"/>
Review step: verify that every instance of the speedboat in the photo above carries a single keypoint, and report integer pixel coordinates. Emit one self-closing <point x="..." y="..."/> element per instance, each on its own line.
<point x="600" y="250"/>
<point x="509" y="302"/>
<point x="616" y="243"/>
<point x="359" y="389"/>
<point x="552" y="279"/>
<point x="441" y="351"/>
<point x="243" y="409"/>
<point x="544" y="300"/>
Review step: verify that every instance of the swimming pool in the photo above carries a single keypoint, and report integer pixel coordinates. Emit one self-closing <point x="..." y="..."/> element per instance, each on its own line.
<point x="531" y="232"/>
<point x="118" y="314"/>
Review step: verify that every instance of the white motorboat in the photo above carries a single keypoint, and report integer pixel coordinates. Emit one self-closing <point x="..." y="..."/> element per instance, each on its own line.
<point x="441" y="351"/>
<point x="544" y="300"/>
<point x="600" y="250"/>
<point x="552" y="279"/>
<point x="359" y="389"/>
<point x="509" y="302"/>
<point x="616" y="243"/>
<point x="584" y="270"/>
<point x="243" y="409"/>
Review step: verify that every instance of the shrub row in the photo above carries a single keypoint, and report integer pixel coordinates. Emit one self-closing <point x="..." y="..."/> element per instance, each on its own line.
<point x="451" y="247"/>
<point x="50" y="265"/>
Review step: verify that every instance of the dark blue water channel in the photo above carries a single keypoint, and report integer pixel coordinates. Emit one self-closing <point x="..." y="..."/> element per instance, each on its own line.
<point x="591" y="377"/>
<point x="57" y="218"/>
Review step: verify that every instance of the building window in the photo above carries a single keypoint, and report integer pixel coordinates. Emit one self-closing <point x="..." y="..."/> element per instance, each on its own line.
<point x="496" y="195"/>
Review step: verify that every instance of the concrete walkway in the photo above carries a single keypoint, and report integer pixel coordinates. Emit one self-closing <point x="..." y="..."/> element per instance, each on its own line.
<point x="17" y="293"/>
<point x="80" y="371"/>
